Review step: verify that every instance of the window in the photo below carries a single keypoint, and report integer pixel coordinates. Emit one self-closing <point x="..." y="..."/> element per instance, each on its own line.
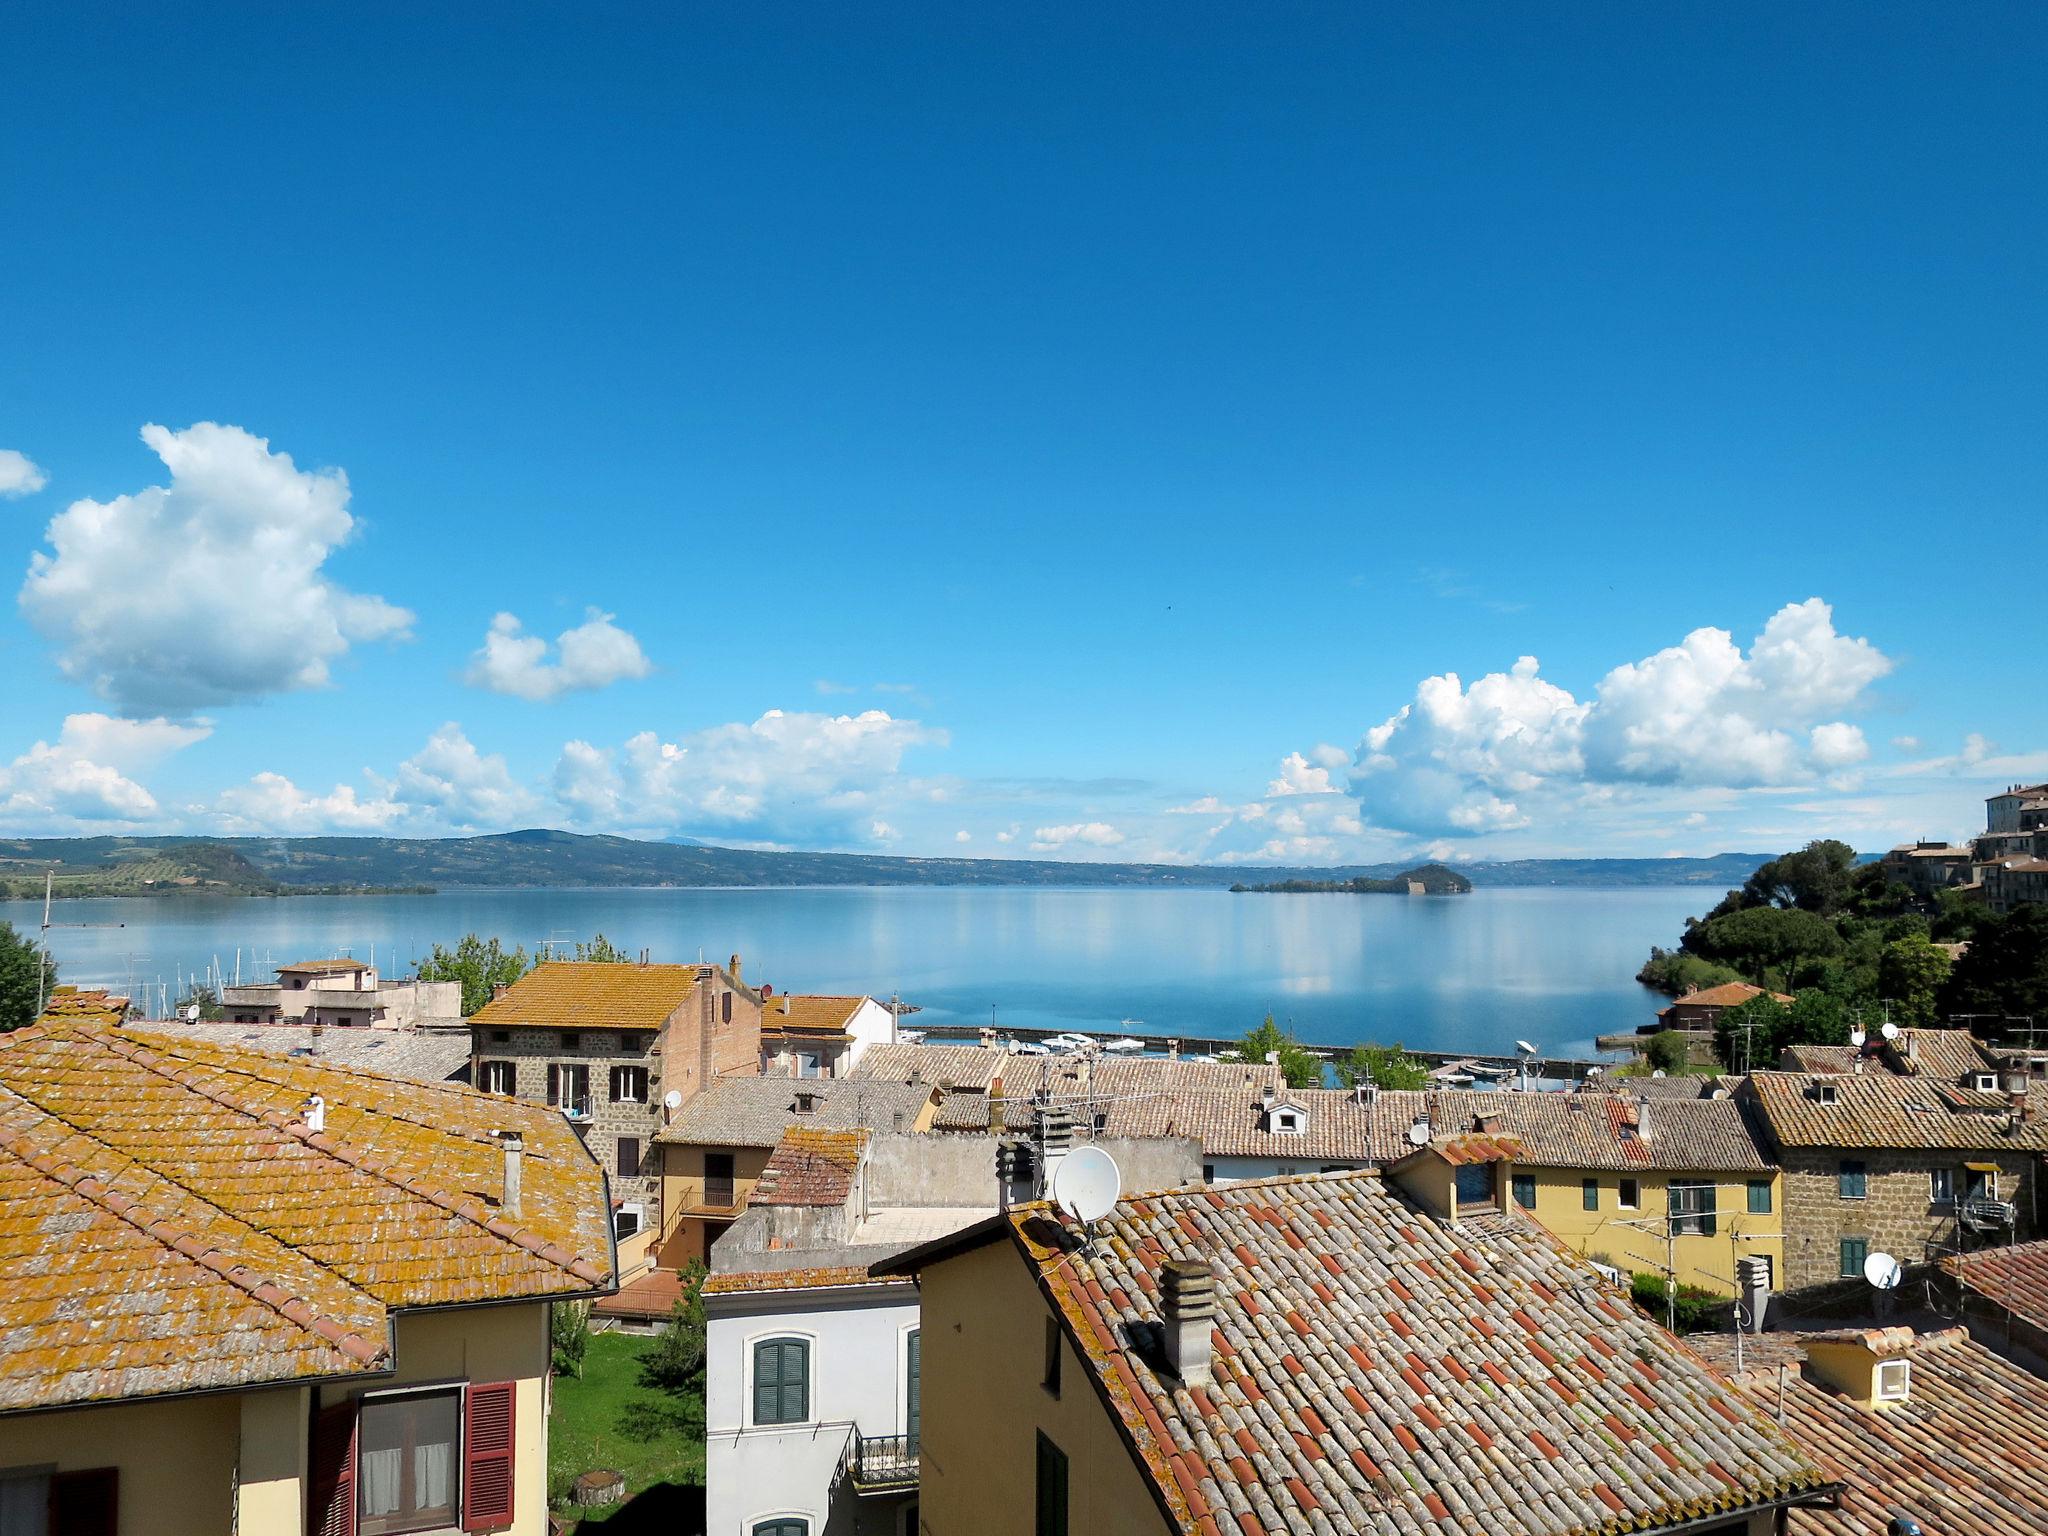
<point x="629" y="1085"/>
<point x="1525" y="1191"/>
<point x="718" y="1179"/>
<point x="1208" y="1173"/>
<point x="809" y="1064"/>
<point x="629" y="1157"/>
<point x="1894" y="1380"/>
<point x="626" y="1221"/>
<point x="571" y="1040"/>
<point x="1985" y="1082"/>
<point x="1286" y="1123"/>
<point x="41" y="1501"/>
<point x="1589" y="1194"/>
<point x="1759" y="1197"/>
<point x="782" y="1381"/>
<point x="1475" y="1183"/>
<point x="1941" y="1186"/>
<point x="501" y="1037"/>
<point x="725" y="1008"/>
<point x="1052" y="1489"/>
<point x="913" y="1385"/>
<point x="783" y="1525"/>
<point x="569" y="1087"/>
<point x="1053" y="1353"/>
<point x="1693" y="1208"/>
<point x="1980" y="1183"/>
<point x="498" y="1077"/>
<point x="1630" y="1195"/>
<point x="1854" y="1251"/>
<point x="1853" y="1179"/>
<point x="408" y="1474"/>
<point x="1825" y="1093"/>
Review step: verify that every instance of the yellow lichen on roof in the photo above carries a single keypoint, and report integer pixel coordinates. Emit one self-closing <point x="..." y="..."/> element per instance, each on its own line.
<point x="790" y="1014"/>
<point x="795" y="1280"/>
<point x="69" y="1004"/>
<point x="171" y="1221"/>
<point x="590" y="994"/>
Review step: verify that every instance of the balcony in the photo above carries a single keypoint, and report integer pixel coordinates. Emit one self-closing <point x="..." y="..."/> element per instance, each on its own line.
<point x="1985" y="1213"/>
<point x="882" y="1463"/>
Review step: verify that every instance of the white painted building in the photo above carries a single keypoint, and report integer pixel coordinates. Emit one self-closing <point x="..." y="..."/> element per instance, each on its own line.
<point x="809" y="1035"/>
<point x="811" y="1404"/>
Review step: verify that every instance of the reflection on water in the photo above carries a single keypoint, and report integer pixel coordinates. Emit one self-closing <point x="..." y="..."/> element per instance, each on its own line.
<point x="1449" y="972"/>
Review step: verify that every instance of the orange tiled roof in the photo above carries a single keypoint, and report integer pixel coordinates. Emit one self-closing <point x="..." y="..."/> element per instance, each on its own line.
<point x="2015" y="1277"/>
<point x="1877" y="1109"/>
<point x="89" y="1007"/>
<point x="796" y="1280"/>
<point x="790" y="1014"/>
<point x="1378" y="1370"/>
<point x="339" y="967"/>
<point x="592" y="994"/>
<point x="169" y="1222"/>
<point x="1729" y="994"/>
<point x="811" y="1167"/>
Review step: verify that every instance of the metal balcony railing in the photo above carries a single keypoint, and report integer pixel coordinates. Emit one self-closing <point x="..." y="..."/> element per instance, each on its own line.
<point x="882" y="1463"/>
<point x="1985" y="1213"/>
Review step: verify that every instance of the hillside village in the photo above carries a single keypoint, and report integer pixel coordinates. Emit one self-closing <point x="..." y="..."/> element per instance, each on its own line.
<point x="335" y="1261"/>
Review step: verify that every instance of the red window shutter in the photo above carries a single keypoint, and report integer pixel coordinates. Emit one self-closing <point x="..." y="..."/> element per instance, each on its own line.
<point x="331" y="1473"/>
<point x="86" y="1503"/>
<point x="487" y="1458"/>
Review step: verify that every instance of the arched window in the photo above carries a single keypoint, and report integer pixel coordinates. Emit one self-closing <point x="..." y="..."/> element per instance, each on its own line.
<point x="783" y="1525"/>
<point x="782" y="1381"/>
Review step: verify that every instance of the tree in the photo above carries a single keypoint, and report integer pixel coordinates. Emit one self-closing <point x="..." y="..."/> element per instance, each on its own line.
<point x="1750" y="1035"/>
<point x="27" y="977"/>
<point x="1761" y="941"/>
<point x="2004" y="973"/>
<point x="1816" y="1017"/>
<point x="205" y="999"/>
<point x="1384" y="1066"/>
<point x="1668" y="1052"/>
<point x="1818" y="878"/>
<point x="1301" y="1068"/>
<point x="568" y="1336"/>
<point x="676" y="1363"/>
<point x="482" y="966"/>
<point x="1910" y="974"/>
<point x="602" y="950"/>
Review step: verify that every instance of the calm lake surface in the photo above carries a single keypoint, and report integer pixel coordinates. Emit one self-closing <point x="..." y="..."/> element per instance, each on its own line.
<point x="1450" y="973"/>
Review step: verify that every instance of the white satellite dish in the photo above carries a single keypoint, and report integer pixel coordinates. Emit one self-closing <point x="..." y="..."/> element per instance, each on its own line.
<point x="1890" y="1030"/>
<point x="1418" y="1134"/>
<point x="1087" y="1184"/>
<point x="1525" y="1047"/>
<point x="671" y="1100"/>
<point x="1882" y="1271"/>
<point x="192" y="1014"/>
<point x="1857" y="1037"/>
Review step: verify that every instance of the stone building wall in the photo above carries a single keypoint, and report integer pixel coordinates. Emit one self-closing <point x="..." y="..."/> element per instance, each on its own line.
<point x="531" y="1052"/>
<point x="1896" y="1215"/>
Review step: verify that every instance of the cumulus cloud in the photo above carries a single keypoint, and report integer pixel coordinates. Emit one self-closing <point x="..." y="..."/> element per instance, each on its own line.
<point x="450" y="781"/>
<point x="788" y="774"/>
<point x="1310" y="774"/>
<point x="272" y="803"/>
<point x="1088" y="834"/>
<point x="1463" y="760"/>
<point x="448" y="785"/>
<point x="595" y="654"/>
<point x="19" y="474"/>
<point x="963" y="836"/>
<point x="85" y="775"/>
<point x="209" y="590"/>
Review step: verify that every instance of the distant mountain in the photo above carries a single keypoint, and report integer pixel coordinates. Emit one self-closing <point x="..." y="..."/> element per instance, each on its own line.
<point x="538" y="857"/>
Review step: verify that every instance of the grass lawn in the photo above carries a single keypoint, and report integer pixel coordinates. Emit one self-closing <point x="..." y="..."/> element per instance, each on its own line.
<point x="606" y="1418"/>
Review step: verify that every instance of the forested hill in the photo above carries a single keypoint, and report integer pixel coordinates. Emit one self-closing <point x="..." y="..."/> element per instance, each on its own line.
<point x="285" y="865"/>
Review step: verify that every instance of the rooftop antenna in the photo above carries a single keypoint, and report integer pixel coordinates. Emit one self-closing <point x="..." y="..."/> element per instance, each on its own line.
<point x="43" y="970"/>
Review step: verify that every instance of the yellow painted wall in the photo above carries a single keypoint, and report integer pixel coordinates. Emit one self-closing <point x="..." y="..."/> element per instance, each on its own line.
<point x="177" y="1458"/>
<point x="270" y="1491"/>
<point x="1707" y="1262"/>
<point x="983" y="1361"/>
<point x="682" y="1189"/>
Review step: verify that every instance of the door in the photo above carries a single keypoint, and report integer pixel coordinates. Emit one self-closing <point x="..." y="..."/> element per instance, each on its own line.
<point x="718" y="1180"/>
<point x="912" y="1388"/>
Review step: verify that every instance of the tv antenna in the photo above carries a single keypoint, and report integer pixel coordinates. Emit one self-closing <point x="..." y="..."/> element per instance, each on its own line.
<point x="43" y="944"/>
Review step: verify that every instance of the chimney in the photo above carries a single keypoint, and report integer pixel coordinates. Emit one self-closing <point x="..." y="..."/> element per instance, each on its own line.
<point x="314" y="1113"/>
<point x="499" y="989"/>
<point x="1367" y="1092"/>
<point x="1187" y="1313"/>
<point x="785" y="1005"/>
<point x="1642" y="1119"/>
<point x="515" y="1158"/>
<point x="734" y="968"/>
<point x="1269" y="1095"/>
<point x="1056" y="1132"/>
<point x="995" y="1107"/>
<point x="1752" y="1290"/>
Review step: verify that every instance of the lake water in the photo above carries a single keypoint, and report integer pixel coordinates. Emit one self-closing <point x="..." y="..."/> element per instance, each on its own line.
<point x="1471" y="972"/>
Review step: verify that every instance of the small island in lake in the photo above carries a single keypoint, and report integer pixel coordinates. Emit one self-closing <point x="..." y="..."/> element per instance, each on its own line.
<point x="1423" y="880"/>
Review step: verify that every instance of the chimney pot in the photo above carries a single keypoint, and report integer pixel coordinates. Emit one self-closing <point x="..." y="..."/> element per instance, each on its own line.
<point x="1187" y="1303"/>
<point x="734" y="967"/>
<point x="315" y="1113"/>
<point x="514" y="1146"/>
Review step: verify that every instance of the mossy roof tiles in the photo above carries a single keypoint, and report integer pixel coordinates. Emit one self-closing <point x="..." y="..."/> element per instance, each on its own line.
<point x="170" y="1221"/>
<point x="592" y="994"/>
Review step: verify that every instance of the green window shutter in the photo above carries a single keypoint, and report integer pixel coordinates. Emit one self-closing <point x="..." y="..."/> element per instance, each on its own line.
<point x="1854" y="1251"/>
<point x="782" y="1381"/>
<point x="1589" y="1194"/>
<point x="913" y="1375"/>
<point x="1525" y="1191"/>
<point x="1759" y="1197"/>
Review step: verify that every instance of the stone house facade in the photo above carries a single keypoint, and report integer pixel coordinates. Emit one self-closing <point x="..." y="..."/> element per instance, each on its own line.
<point x="618" y="1049"/>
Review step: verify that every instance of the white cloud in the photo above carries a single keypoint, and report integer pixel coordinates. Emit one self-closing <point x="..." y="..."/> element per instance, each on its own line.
<point x="882" y="832"/>
<point x="84" y="777"/>
<point x="1309" y="775"/>
<point x="448" y="785"/>
<point x="272" y="803"/>
<point x="209" y="590"/>
<point x="1091" y="834"/>
<point x="595" y="654"/>
<point x="1208" y="805"/>
<point x="1464" y="760"/>
<point x="1906" y="743"/>
<point x="1007" y="837"/>
<point x="789" y="774"/>
<point x="963" y="836"/>
<point x="19" y="474"/>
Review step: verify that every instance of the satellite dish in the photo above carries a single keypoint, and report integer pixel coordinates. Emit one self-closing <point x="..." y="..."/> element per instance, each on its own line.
<point x="671" y="1100"/>
<point x="1857" y="1037"/>
<point x="192" y="1014"/>
<point x="1418" y="1134"/>
<point x="1525" y="1047"/>
<point x="1882" y="1271"/>
<point x="1890" y="1030"/>
<point x="1087" y="1184"/>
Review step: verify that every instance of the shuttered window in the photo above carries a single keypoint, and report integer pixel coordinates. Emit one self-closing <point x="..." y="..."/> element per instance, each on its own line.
<point x="407" y="1476"/>
<point x="1589" y="1194"/>
<point x="1854" y="1251"/>
<point x="1052" y="1489"/>
<point x="1693" y="1208"/>
<point x="487" y="1457"/>
<point x="1525" y="1191"/>
<point x="629" y="1157"/>
<point x="782" y="1381"/>
<point x="1759" y="1197"/>
<point x="331" y="1472"/>
<point x="1854" y="1179"/>
<point x="913" y="1391"/>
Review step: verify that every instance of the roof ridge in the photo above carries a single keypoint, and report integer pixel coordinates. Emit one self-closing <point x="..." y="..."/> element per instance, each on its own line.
<point x="374" y="1164"/>
<point x="292" y="1308"/>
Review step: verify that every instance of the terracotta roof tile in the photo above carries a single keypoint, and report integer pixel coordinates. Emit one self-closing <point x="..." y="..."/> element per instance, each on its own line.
<point x="1729" y="994"/>
<point x="794" y="1280"/>
<point x="2015" y="1277"/>
<point x="592" y="994"/>
<point x="1509" y="1448"/>
<point x="808" y="1016"/>
<point x="811" y="1167"/>
<point x="168" y="1220"/>
<point x="1877" y="1109"/>
<point x="755" y="1111"/>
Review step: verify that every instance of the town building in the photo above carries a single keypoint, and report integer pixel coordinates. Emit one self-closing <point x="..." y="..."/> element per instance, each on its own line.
<point x="1701" y="1009"/>
<point x="1914" y="1166"/>
<point x="424" y="1053"/>
<point x="1929" y="1427"/>
<point x="618" y="1048"/>
<point x="821" y="1036"/>
<point x="344" y="994"/>
<point x="2017" y="808"/>
<point x="1321" y="1353"/>
<point x="1929" y="866"/>
<point x="2017" y="881"/>
<point x="243" y="1292"/>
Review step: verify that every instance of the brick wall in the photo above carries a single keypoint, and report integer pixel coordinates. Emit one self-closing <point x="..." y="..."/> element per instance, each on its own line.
<point x="1896" y="1214"/>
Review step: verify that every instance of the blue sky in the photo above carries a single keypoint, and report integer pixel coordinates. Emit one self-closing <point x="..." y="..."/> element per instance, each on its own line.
<point x="1059" y="418"/>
